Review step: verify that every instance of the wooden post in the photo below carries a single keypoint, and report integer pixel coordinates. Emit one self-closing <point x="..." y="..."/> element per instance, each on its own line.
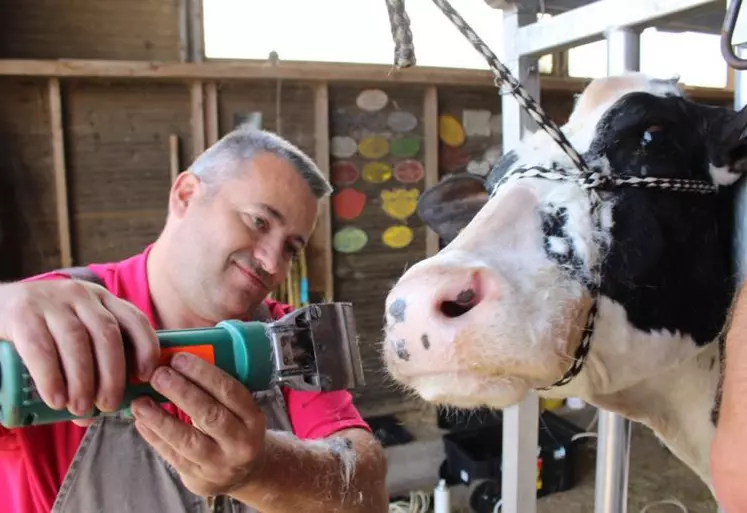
<point x="430" y="115"/>
<point x="184" y="24"/>
<point x="198" y="119"/>
<point x="211" y="113"/>
<point x="60" y="174"/>
<point x="196" y="33"/>
<point x="319" y="251"/>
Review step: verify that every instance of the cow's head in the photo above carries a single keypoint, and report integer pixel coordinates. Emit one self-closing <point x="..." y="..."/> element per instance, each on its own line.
<point x="502" y="308"/>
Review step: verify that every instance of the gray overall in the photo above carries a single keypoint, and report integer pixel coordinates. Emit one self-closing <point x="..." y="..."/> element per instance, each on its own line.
<point x="115" y="470"/>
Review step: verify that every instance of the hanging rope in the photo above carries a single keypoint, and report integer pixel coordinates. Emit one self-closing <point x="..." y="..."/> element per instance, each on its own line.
<point x="404" y="50"/>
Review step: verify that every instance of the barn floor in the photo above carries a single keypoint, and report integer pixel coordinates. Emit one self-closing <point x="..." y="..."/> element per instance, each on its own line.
<point x="655" y="474"/>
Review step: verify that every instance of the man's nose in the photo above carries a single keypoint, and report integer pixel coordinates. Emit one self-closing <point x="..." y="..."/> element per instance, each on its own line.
<point x="270" y="257"/>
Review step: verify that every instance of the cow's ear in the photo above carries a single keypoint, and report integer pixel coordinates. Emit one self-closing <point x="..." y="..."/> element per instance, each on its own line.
<point x="450" y="205"/>
<point x="728" y="145"/>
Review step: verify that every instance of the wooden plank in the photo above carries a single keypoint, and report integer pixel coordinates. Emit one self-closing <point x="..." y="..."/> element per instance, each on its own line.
<point x="198" y="118"/>
<point x="211" y="113"/>
<point x="60" y="174"/>
<point x="288" y="70"/>
<point x="196" y="33"/>
<point x="319" y="251"/>
<point x="430" y="121"/>
<point x="183" y="20"/>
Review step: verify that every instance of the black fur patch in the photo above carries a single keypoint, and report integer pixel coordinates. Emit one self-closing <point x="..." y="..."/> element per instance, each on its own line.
<point x="669" y="260"/>
<point x="558" y="244"/>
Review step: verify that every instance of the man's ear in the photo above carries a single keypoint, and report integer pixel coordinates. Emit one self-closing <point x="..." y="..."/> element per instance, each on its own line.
<point x="727" y="145"/>
<point x="183" y="191"/>
<point x="450" y="205"/>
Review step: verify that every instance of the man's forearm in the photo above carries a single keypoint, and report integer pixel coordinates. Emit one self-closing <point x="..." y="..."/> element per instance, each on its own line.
<point x="730" y="443"/>
<point x="330" y="476"/>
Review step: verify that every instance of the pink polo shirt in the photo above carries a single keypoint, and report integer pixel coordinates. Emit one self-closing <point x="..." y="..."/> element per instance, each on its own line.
<point x="35" y="459"/>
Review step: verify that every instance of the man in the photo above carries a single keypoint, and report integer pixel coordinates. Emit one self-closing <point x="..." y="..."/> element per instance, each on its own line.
<point x="729" y="447"/>
<point x="236" y="219"/>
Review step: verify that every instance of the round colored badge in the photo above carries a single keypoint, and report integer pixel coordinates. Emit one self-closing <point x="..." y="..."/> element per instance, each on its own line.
<point x="397" y="237"/>
<point x="401" y="121"/>
<point x="373" y="147"/>
<point x="348" y="203"/>
<point x="450" y="130"/>
<point x="376" y="172"/>
<point x="452" y="159"/>
<point x="409" y="171"/>
<point x="372" y="100"/>
<point x="399" y="203"/>
<point x="405" y="146"/>
<point x="342" y="147"/>
<point x="349" y="240"/>
<point x="343" y="173"/>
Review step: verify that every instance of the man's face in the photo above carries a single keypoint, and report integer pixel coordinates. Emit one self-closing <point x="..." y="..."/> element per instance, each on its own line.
<point x="240" y="239"/>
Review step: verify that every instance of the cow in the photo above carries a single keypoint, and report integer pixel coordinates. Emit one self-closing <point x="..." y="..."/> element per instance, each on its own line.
<point x="503" y="307"/>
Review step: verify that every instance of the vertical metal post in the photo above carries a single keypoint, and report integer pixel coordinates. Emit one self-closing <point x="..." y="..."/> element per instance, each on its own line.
<point x="520" y="422"/>
<point x="613" y="447"/>
<point x="740" y="199"/>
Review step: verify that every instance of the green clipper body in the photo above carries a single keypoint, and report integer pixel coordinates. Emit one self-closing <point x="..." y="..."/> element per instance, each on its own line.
<point x="241" y="349"/>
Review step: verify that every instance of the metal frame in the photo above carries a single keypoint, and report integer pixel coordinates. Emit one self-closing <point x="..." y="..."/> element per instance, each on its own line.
<point x="620" y="23"/>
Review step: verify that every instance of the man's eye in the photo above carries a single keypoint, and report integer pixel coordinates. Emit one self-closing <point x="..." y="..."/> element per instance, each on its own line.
<point x="293" y="252"/>
<point x="260" y="223"/>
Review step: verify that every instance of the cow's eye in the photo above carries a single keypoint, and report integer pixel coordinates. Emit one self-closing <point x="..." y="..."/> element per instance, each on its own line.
<point x="650" y="134"/>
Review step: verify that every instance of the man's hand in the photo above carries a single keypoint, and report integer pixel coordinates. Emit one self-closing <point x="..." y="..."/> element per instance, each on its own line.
<point x="69" y="335"/>
<point x="228" y="446"/>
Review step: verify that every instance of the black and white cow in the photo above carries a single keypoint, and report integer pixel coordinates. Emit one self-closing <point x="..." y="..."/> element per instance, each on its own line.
<point x="502" y="308"/>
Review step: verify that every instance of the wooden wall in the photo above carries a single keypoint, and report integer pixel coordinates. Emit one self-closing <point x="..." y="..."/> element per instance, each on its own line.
<point x="28" y="213"/>
<point x="91" y="29"/>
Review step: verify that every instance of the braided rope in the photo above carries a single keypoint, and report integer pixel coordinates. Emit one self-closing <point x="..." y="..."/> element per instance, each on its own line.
<point x="404" y="49"/>
<point x="588" y="179"/>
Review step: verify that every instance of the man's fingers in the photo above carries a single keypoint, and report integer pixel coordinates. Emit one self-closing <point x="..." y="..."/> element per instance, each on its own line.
<point x="206" y="412"/>
<point x="178" y="436"/>
<point x="74" y="349"/>
<point x="167" y="452"/>
<point x="216" y="382"/>
<point x="38" y="350"/>
<point x="108" y="349"/>
<point x="143" y="338"/>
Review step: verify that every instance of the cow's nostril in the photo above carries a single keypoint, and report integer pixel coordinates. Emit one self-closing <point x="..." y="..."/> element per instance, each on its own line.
<point x="463" y="303"/>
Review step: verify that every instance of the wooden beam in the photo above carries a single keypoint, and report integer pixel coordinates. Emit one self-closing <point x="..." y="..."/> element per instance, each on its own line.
<point x="430" y="128"/>
<point x="60" y="171"/>
<point x="308" y="72"/>
<point x="197" y="118"/>
<point x="286" y="70"/>
<point x="211" y="113"/>
<point x="319" y="251"/>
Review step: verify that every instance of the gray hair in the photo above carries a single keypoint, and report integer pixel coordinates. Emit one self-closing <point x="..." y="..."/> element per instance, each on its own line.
<point x="222" y="160"/>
